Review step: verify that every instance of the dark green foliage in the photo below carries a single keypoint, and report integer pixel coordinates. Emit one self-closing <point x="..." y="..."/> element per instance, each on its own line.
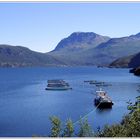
<point x="56" y="126"/>
<point x="130" y="125"/>
<point x="58" y="131"/>
<point x="85" y="129"/>
<point x="135" y="106"/>
<point x="69" y="129"/>
<point x="113" y="131"/>
<point x="129" y="128"/>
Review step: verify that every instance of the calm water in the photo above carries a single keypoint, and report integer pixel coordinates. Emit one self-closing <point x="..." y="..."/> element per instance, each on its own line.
<point x="25" y="107"/>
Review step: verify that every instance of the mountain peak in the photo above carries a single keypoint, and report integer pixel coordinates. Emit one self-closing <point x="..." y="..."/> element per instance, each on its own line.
<point x="78" y="41"/>
<point x="83" y="33"/>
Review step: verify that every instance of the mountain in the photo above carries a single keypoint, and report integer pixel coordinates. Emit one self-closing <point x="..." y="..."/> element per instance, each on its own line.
<point x="135" y="61"/>
<point x="102" y="53"/>
<point x="73" y="49"/>
<point x="122" y="62"/>
<point x="80" y="48"/>
<point x="131" y="61"/>
<point x="80" y="41"/>
<point x="17" y="56"/>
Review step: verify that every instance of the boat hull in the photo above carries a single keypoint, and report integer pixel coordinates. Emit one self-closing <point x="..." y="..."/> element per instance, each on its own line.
<point x="105" y="105"/>
<point x="50" y="88"/>
<point x="99" y="104"/>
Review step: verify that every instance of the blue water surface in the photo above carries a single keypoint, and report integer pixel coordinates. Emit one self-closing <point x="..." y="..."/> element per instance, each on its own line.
<point x="25" y="105"/>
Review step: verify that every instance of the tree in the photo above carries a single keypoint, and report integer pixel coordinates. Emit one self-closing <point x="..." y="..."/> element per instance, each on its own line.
<point x="69" y="129"/>
<point x="130" y="125"/>
<point x="85" y="129"/>
<point x="56" y="126"/>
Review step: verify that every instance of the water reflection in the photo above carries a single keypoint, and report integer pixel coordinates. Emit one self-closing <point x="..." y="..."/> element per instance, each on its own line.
<point x="103" y="110"/>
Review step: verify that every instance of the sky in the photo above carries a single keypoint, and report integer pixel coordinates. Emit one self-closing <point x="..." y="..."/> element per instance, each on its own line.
<point x="41" y="26"/>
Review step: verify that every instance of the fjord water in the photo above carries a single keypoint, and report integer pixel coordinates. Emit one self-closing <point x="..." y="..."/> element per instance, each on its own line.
<point x="25" y="105"/>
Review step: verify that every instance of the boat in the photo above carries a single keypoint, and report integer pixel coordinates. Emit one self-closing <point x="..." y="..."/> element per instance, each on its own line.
<point x="102" y="100"/>
<point x="96" y="82"/>
<point x="90" y="81"/>
<point x="57" y="84"/>
<point x="103" y="84"/>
